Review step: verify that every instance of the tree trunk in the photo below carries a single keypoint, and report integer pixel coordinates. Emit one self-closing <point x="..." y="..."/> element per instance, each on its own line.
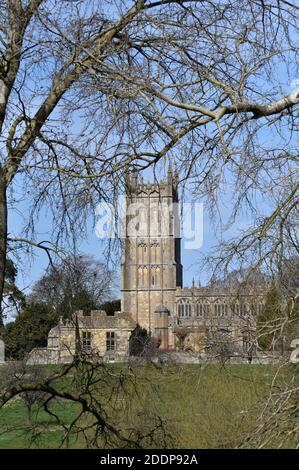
<point x="3" y="239"/>
<point x="29" y="410"/>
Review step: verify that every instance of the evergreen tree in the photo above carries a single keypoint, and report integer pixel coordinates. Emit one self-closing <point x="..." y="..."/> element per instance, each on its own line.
<point x="111" y="306"/>
<point x="29" y="330"/>
<point x="291" y="326"/>
<point x="138" y="341"/>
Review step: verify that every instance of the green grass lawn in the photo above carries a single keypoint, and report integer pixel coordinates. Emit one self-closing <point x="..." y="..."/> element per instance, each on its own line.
<point x="15" y="432"/>
<point x="201" y="407"/>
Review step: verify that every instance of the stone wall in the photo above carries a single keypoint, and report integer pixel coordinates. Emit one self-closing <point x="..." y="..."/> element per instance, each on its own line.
<point x="43" y="356"/>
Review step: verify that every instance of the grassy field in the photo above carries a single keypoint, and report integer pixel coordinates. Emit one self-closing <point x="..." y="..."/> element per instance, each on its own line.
<point x="201" y="407"/>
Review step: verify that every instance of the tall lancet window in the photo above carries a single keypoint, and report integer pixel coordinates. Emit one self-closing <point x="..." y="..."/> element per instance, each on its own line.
<point x="145" y="276"/>
<point x="145" y="254"/>
<point x="153" y="253"/>
<point x="140" y="276"/>
<point x="171" y="225"/>
<point x="155" y="276"/>
<point x="154" y="220"/>
<point x="158" y="254"/>
<point x="140" y="253"/>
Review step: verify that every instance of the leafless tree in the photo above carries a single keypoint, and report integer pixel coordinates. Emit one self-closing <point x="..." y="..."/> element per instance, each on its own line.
<point x="181" y="334"/>
<point x="99" y="394"/>
<point x="16" y="373"/>
<point x="72" y="277"/>
<point x="221" y="345"/>
<point x="277" y="426"/>
<point x="88" y="92"/>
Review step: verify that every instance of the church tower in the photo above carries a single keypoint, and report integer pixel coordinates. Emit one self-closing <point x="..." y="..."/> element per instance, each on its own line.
<point x="151" y="258"/>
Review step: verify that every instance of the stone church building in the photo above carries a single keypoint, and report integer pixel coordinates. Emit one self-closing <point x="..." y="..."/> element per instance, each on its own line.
<point x="152" y="292"/>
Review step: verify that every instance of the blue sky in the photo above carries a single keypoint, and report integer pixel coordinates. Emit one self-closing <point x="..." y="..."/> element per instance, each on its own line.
<point x="31" y="268"/>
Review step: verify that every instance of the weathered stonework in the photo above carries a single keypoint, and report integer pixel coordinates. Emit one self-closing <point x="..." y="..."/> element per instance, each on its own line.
<point x="151" y="263"/>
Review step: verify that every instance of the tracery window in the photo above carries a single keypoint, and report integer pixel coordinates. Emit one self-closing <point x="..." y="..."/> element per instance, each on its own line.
<point x="184" y="308"/>
<point x="202" y="309"/>
<point x="240" y="309"/>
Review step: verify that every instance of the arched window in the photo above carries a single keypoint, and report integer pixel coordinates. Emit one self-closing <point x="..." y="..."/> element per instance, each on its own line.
<point x="202" y="310"/>
<point x="155" y="253"/>
<point x="224" y="310"/>
<point x="145" y="276"/>
<point x="157" y="276"/>
<point x="159" y="253"/>
<point x="140" y="254"/>
<point x="217" y="310"/>
<point x="171" y="225"/>
<point x="140" y="276"/>
<point x="186" y="309"/>
<point x="144" y="254"/>
<point x="243" y="309"/>
<point x="206" y="310"/>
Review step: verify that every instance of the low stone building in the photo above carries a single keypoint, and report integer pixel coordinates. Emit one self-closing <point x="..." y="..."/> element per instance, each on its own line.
<point x="97" y="335"/>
